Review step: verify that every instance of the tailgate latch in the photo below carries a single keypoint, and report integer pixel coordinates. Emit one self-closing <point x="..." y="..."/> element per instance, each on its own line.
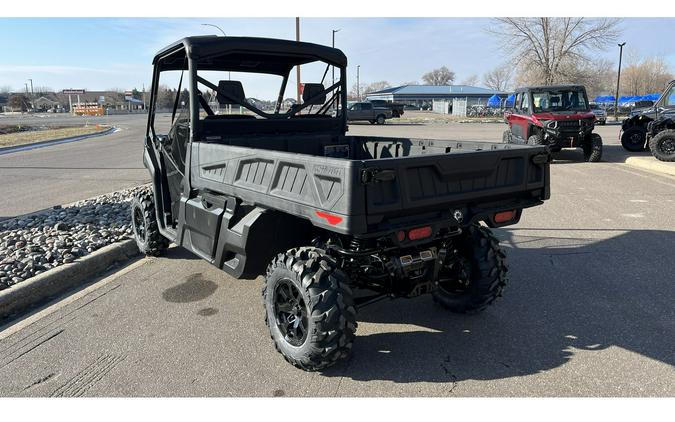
<point x="375" y="175"/>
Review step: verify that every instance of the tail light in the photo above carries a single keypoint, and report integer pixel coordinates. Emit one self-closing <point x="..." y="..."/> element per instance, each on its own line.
<point x="504" y="216"/>
<point x="420" y="233"/>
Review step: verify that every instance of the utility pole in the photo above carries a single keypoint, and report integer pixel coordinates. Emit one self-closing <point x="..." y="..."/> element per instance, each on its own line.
<point x="358" y="84"/>
<point x="333" y="67"/>
<point x="618" y="80"/>
<point x="297" y="38"/>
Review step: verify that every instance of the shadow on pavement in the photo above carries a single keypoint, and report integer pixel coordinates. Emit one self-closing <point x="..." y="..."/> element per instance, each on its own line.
<point x="564" y="295"/>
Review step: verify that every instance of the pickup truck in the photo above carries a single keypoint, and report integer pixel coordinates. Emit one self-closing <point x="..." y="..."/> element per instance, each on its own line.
<point x="397" y="109"/>
<point x="368" y="112"/>
<point x="334" y="222"/>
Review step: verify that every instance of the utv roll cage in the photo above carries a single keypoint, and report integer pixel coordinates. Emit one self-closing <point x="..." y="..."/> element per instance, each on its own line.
<point x="249" y="55"/>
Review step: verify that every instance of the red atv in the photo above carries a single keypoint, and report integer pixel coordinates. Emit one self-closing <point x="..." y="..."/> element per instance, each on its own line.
<point x="556" y="116"/>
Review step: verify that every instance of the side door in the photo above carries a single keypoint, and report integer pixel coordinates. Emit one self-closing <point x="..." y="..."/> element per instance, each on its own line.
<point x="353" y="111"/>
<point x="367" y="111"/>
<point x="516" y="119"/>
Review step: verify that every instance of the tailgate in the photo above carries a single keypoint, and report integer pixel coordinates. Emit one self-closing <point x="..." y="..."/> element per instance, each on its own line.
<point x="466" y="174"/>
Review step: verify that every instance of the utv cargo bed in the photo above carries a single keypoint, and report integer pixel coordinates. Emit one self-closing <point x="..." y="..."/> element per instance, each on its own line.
<point x="363" y="185"/>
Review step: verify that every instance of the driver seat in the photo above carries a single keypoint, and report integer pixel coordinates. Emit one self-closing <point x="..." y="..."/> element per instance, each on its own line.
<point x="234" y="90"/>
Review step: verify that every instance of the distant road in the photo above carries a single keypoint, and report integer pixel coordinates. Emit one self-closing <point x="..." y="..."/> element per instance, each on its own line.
<point x="59" y="174"/>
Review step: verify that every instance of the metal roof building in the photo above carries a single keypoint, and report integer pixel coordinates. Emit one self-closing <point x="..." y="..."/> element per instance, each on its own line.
<point x="424" y="95"/>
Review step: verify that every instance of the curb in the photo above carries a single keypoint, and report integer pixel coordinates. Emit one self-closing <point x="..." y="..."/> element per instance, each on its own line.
<point x="65" y="277"/>
<point x="41" y="144"/>
<point x="651" y="164"/>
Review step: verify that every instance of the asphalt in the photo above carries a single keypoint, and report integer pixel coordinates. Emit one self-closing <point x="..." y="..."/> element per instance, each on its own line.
<point x="588" y="312"/>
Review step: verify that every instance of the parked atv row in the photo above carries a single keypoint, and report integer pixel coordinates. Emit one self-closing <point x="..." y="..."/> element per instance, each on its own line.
<point x="554" y="116"/>
<point x="653" y="127"/>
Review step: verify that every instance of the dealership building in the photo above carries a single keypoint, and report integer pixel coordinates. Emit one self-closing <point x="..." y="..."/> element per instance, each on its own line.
<point x="424" y="96"/>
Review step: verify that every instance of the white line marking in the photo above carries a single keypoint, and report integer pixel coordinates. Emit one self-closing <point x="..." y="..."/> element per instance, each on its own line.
<point x="20" y="325"/>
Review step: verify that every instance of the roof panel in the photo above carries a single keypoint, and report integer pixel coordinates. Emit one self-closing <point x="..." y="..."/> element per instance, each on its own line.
<point x="438" y="90"/>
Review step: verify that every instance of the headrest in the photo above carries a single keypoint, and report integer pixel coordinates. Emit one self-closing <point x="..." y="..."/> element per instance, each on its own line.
<point x="312" y="90"/>
<point x="555" y="100"/>
<point x="232" y="89"/>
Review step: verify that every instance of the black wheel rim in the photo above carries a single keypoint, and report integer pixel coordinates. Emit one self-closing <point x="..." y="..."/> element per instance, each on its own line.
<point x="455" y="278"/>
<point x="139" y="223"/>
<point x="290" y="312"/>
<point x="668" y="146"/>
<point x="636" y="139"/>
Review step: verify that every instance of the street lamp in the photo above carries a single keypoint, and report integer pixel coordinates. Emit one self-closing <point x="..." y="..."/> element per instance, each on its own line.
<point x="215" y="26"/>
<point x="618" y="80"/>
<point x="334" y="31"/>
<point x="358" y="85"/>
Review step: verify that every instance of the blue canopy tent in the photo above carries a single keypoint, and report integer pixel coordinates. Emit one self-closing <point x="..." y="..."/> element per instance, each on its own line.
<point x="494" y="101"/>
<point x="510" y="100"/>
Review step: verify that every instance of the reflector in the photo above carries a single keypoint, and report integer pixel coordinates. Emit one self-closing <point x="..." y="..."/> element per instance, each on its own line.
<point x="419" y="233"/>
<point x="504" y="216"/>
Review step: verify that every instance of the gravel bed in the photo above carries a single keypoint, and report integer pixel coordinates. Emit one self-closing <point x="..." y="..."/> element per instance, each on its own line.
<point x="30" y="245"/>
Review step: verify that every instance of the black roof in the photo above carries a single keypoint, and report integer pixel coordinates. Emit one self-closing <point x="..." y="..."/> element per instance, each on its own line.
<point x="246" y="54"/>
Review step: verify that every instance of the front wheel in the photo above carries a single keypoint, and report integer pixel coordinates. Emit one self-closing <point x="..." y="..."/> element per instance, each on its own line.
<point x="309" y="309"/>
<point x="663" y="145"/>
<point x="592" y="148"/>
<point x="477" y="277"/>
<point x="380" y="120"/>
<point x="633" y="139"/>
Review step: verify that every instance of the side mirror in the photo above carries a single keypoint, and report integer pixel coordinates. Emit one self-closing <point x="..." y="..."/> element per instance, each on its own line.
<point x="162" y="140"/>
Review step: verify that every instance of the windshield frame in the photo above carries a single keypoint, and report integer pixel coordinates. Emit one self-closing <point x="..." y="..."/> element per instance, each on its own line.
<point x="560" y="90"/>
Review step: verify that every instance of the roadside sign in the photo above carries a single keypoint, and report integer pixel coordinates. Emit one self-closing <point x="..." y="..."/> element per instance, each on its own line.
<point x="73" y="91"/>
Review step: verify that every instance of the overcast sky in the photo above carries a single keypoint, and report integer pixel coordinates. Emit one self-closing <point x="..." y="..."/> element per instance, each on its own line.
<point x="103" y="53"/>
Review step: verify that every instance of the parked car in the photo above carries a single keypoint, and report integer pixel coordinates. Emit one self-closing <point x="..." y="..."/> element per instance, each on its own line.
<point x="366" y="111"/>
<point x="600" y="114"/>
<point x="397" y="109"/>
<point x="555" y="116"/>
<point x="339" y="221"/>
<point x="653" y="127"/>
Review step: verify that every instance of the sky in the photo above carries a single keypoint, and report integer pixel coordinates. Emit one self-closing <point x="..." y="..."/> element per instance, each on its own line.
<point x="105" y="53"/>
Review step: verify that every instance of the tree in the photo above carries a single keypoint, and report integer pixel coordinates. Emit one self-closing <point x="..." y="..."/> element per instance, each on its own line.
<point x="18" y="102"/>
<point x="352" y="95"/>
<point x="5" y="89"/>
<point x="645" y="76"/>
<point x="546" y="47"/>
<point x="376" y="86"/>
<point x="471" y="80"/>
<point x="499" y="78"/>
<point x="440" y="76"/>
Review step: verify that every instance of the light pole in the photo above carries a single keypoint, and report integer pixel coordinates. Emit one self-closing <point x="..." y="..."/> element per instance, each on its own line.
<point x="618" y="80"/>
<point x="333" y="67"/>
<point x="229" y="74"/>
<point x="297" y="38"/>
<point x="358" y="85"/>
<point x="32" y="94"/>
<point x="215" y="26"/>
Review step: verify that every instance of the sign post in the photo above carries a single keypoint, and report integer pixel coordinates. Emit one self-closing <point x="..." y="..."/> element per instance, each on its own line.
<point x="70" y="92"/>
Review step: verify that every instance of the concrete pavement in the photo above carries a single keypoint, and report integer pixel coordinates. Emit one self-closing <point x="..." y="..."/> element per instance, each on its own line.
<point x="588" y="311"/>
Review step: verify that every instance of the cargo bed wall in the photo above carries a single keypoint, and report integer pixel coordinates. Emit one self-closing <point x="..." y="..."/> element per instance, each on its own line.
<point x="438" y="174"/>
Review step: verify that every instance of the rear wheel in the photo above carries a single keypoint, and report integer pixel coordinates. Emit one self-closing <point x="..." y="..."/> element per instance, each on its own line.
<point x="663" y="145"/>
<point x="144" y="225"/>
<point x="474" y="281"/>
<point x="309" y="309"/>
<point x="592" y="148"/>
<point x="633" y="139"/>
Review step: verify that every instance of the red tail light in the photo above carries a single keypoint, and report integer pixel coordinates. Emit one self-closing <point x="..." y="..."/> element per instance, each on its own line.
<point x="420" y="233"/>
<point x="504" y="216"/>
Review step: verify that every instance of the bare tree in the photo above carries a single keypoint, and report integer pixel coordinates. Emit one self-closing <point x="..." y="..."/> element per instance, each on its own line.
<point x="377" y="86"/>
<point x="18" y="102"/>
<point x="546" y="46"/>
<point x="645" y="76"/>
<point x="5" y="89"/>
<point x="471" y="80"/>
<point x="499" y="78"/>
<point x="440" y="76"/>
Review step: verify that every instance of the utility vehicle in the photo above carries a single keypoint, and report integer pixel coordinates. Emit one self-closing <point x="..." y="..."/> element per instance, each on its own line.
<point x="653" y="127"/>
<point x="339" y="221"/>
<point x="556" y="116"/>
